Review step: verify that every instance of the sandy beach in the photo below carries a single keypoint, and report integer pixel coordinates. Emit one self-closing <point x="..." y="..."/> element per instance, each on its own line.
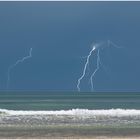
<point x="82" y="139"/>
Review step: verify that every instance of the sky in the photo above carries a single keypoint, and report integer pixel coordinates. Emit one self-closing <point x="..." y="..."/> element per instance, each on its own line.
<point x="60" y="35"/>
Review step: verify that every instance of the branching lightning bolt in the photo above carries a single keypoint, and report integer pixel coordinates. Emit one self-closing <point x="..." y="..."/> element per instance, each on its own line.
<point x="17" y="62"/>
<point x="97" y="68"/>
<point x="85" y="67"/>
<point x="98" y="62"/>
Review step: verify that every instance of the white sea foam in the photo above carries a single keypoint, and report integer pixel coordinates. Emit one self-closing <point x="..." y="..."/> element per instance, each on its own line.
<point x="77" y="112"/>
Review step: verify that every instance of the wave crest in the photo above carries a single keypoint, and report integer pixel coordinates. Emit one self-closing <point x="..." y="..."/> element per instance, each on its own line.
<point x="76" y="112"/>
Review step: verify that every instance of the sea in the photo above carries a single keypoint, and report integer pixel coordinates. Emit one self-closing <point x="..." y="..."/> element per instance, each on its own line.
<point x="96" y="110"/>
<point x="34" y="100"/>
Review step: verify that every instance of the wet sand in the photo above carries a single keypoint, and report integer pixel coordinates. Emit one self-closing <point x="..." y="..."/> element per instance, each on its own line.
<point x="67" y="132"/>
<point x="81" y="139"/>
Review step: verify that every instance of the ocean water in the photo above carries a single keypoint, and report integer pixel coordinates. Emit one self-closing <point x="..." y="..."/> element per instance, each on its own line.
<point x="52" y="113"/>
<point x="68" y="100"/>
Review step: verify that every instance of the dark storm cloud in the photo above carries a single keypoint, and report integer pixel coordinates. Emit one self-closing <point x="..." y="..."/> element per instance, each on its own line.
<point x="60" y="33"/>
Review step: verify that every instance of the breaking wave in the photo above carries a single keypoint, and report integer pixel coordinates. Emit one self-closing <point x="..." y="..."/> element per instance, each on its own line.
<point x="76" y="112"/>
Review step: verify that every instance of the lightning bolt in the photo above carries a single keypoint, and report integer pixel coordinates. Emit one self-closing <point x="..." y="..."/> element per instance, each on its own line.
<point x="97" y="68"/>
<point x="98" y="62"/>
<point x="85" y="67"/>
<point x="14" y="65"/>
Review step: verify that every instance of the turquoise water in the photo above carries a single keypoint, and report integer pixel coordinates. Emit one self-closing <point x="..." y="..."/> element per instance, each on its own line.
<point x="68" y="100"/>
